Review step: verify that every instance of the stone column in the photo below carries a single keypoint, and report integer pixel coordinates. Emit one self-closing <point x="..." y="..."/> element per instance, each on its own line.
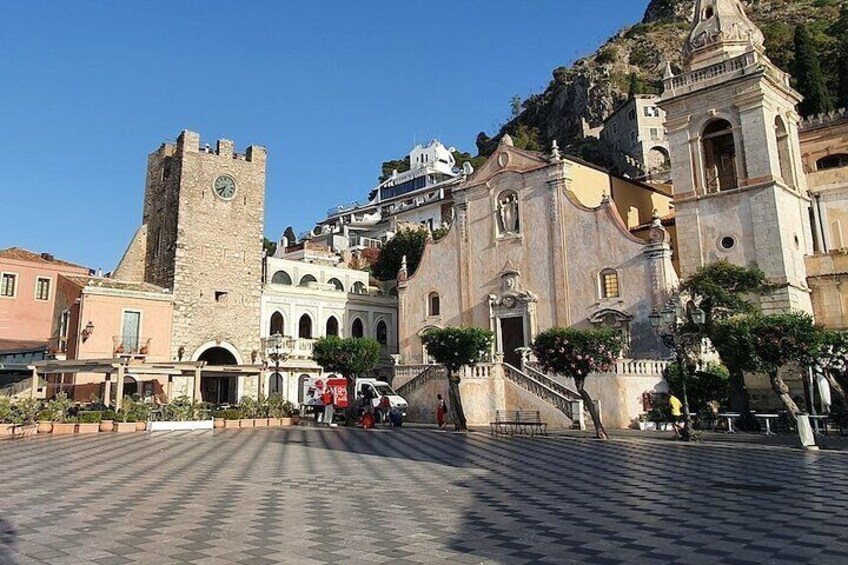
<point x="557" y="176"/>
<point x="197" y="377"/>
<point x="119" y="394"/>
<point x="107" y="390"/>
<point x="34" y="391"/>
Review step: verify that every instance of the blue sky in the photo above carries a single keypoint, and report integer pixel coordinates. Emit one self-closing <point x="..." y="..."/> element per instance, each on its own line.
<point x="332" y="89"/>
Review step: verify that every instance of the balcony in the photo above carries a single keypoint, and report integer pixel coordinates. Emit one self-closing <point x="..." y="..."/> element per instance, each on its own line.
<point x="288" y="348"/>
<point x="130" y="345"/>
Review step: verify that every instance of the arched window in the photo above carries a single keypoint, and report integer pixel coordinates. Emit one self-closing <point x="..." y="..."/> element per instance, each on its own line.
<point x="658" y="160"/>
<point x="276" y="324"/>
<point x="358" y="288"/>
<point x="301" y="388"/>
<point x="275" y="384"/>
<point x="356" y="329"/>
<point x="304" y="328"/>
<point x="507" y="213"/>
<point x="609" y="284"/>
<point x="382" y="332"/>
<point x="832" y="162"/>
<point x="434" y="304"/>
<point x="336" y="283"/>
<point x="332" y="326"/>
<point x="281" y="277"/>
<point x="306" y="279"/>
<point x="719" y="156"/>
<point x="784" y="153"/>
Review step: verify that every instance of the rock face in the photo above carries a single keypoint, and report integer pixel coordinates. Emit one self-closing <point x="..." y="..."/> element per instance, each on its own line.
<point x="582" y="96"/>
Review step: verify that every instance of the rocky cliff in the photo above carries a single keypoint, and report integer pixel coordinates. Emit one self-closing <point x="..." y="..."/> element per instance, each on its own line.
<point x="581" y="96"/>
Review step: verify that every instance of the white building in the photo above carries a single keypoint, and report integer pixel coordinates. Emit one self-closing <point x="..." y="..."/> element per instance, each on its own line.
<point x="419" y="196"/>
<point x="303" y="301"/>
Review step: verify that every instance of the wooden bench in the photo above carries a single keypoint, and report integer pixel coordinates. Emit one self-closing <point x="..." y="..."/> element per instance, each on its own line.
<point x="512" y="422"/>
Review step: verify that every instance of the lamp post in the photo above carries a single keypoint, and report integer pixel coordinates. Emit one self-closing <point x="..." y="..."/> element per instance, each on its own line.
<point x="674" y="326"/>
<point x="276" y="354"/>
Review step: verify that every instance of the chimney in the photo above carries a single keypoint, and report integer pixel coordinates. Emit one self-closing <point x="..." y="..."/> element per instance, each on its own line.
<point x="47" y="256"/>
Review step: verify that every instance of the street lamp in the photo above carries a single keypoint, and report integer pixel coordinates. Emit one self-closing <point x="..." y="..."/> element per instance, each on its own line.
<point x="676" y="334"/>
<point x="276" y="354"/>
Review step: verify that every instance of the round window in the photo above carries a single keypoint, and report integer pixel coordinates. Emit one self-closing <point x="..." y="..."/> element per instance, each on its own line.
<point x="728" y="242"/>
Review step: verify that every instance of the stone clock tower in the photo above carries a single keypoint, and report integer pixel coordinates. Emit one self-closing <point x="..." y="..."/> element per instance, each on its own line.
<point x="203" y="212"/>
<point x="739" y="188"/>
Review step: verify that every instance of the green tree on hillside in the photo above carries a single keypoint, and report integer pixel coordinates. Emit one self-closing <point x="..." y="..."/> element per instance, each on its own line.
<point x="290" y="235"/>
<point x="808" y="73"/>
<point x="406" y="242"/>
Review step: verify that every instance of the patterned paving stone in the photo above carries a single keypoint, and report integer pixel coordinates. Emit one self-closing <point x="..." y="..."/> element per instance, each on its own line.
<point x="413" y="496"/>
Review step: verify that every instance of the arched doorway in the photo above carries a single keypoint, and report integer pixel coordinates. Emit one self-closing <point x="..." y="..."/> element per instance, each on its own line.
<point x="276" y="384"/>
<point x="219" y="389"/>
<point x="332" y="326"/>
<point x="301" y="388"/>
<point x="305" y="327"/>
<point x="357" y="329"/>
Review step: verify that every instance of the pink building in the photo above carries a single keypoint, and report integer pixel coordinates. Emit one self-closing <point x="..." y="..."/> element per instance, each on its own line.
<point x="28" y="292"/>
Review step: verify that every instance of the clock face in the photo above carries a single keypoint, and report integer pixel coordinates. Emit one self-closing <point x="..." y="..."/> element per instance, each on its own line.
<point x="225" y="187"/>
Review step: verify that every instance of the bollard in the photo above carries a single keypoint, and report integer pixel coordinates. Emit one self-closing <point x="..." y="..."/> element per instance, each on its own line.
<point x="805" y="433"/>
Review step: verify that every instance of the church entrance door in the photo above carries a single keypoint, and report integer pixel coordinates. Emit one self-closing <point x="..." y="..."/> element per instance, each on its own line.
<point x="512" y="338"/>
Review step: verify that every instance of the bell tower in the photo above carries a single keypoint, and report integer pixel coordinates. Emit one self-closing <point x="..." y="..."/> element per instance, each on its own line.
<point x="739" y="189"/>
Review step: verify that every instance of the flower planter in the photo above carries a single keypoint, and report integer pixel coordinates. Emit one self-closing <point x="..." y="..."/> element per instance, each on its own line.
<point x="261" y="422"/>
<point x="45" y="426"/>
<point x="107" y="425"/>
<point x="88" y="428"/>
<point x="231" y="424"/>
<point x="647" y="426"/>
<point x="273" y="422"/>
<point x="123" y="427"/>
<point x="140" y="426"/>
<point x="218" y="423"/>
<point x="63" y="428"/>
<point x="247" y="423"/>
<point x="13" y="431"/>
<point x="171" y="426"/>
<point x="286" y="421"/>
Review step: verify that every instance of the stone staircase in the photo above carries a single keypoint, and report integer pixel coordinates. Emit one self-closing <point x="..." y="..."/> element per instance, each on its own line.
<point x="429" y="373"/>
<point x="548" y="390"/>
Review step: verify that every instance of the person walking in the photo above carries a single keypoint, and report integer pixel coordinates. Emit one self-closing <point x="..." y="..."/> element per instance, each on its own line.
<point x="441" y="410"/>
<point x="328" y="405"/>
<point x="676" y="414"/>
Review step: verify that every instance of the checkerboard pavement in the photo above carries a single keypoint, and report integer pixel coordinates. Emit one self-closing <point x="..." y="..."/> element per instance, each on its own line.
<point x="312" y="496"/>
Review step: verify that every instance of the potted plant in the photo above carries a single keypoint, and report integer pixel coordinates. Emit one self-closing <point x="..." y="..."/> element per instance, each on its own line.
<point x="57" y="413"/>
<point x="218" y="419"/>
<point x="261" y="418"/>
<point x="18" y="418"/>
<point x="107" y="422"/>
<point x="45" y="422"/>
<point x="124" y="422"/>
<point x="645" y="422"/>
<point x="288" y="418"/>
<point x="231" y="419"/>
<point x="275" y="404"/>
<point x="88" y="421"/>
<point x="138" y="411"/>
<point x="249" y="408"/>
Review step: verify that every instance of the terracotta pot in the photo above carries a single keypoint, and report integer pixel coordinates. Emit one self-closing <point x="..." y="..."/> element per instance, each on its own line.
<point x="107" y="425"/>
<point x="261" y="422"/>
<point x="123" y="427"/>
<point x="88" y="428"/>
<point x="63" y="428"/>
<point x="273" y="422"/>
<point x="231" y="424"/>
<point x="140" y="426"/>
<point x="45" y="426"/>
<point x="218" y="422"/>
<point x="286" y="421"/>
<point x="12" y="431"/>
<point x="247" y="423"/>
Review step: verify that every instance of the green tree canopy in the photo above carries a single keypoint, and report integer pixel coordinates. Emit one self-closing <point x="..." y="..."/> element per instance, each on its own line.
<point x="710" y="384"/>
<point x="388" y="167"/>
<point x="723" y="290"/>
<point x="808" y="73"/>
<point x="269" y="246"/>
<point x="352" y="357"/>
<point x="407" y="242"/>
<point x="577" y="353"/>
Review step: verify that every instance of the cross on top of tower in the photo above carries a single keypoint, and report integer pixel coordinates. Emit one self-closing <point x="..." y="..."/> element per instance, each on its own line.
<point x="721" y="30"/>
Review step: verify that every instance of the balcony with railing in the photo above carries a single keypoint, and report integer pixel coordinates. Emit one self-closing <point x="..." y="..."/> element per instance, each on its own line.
<point x="721" y="72"/>
<point x="130" y="345"/>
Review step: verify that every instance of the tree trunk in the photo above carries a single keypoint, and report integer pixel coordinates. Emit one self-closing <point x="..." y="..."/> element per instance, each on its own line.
<point x="780" y="388"/>
<point x="738" y="400"/>
<point x="835" y="386"/>
<point x="460" y="423"/>
<point x="600" y="432"/>
<point x="350" y="412"/>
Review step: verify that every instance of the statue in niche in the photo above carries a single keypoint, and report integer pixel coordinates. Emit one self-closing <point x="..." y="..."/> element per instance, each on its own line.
<point x="508" y="213"/>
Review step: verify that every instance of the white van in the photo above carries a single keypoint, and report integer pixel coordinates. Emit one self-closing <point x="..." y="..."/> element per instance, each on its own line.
<point x="378" y="390"/>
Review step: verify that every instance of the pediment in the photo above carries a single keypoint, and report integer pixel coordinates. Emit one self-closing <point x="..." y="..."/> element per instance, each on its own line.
<point x="507" y="158"/>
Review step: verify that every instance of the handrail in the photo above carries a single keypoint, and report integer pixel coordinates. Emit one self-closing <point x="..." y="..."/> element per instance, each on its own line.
<point x="549" y="394"/>
<point x="552" y="382"/>
<point x="424" y="377"/>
